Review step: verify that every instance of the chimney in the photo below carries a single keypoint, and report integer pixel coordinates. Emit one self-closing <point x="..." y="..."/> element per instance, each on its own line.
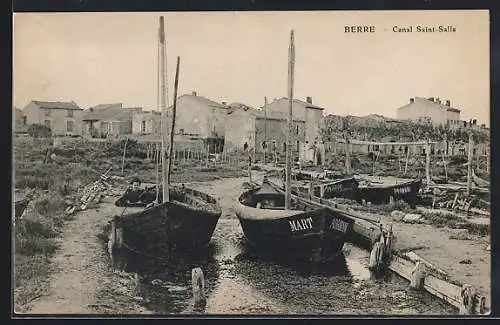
<point x="309" y="99"/>
<point x="193" y="93"/>
<point x="412" y="99"/>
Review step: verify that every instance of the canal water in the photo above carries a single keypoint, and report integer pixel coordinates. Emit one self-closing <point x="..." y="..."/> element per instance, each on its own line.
<point x="238" y="282"/>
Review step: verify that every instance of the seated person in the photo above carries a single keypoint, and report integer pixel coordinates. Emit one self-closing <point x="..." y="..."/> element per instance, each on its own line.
<point x="132" y="196"/>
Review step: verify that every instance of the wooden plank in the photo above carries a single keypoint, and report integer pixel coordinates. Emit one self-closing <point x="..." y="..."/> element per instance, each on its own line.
<point x="450" y="293"/>
<point x="418" y="143"/>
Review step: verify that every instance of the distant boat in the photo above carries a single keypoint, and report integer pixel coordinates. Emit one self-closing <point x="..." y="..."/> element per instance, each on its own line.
<point x="184" y="219"/>
<point x="380" y="192"/>
<point x="303" y="233"/>
<point x="339" y="188"/>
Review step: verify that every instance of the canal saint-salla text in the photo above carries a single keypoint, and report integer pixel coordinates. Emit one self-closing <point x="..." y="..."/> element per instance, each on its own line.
<point x="424" y="29"/>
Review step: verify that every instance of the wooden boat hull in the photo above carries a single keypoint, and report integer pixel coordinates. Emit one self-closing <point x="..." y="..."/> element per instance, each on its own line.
<point x="342" y="188"/>
<point x="19" y="207"/>
<point x="407" y="192"/>
<point x="315" y="236"/>
<point x="172" y="228"/>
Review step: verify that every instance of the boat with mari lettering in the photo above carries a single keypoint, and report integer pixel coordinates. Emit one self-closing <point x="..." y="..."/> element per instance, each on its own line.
<point x="379" y="190"/>
<point x="303" y="232"/>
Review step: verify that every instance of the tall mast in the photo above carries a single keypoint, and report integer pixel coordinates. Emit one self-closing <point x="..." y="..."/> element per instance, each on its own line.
<point x="172" y="129"/>
<point x="265" y="128"/>
<point x="288" y="172"/>
<point x="163" y="108"/>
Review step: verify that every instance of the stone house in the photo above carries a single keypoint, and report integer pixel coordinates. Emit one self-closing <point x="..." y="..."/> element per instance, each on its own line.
<point x="306" y="111"/>
<point x="63" y="118"/>
<point x="108" y="120"/>
<point x="432" y="108"/>
<point x="246" y="128"/>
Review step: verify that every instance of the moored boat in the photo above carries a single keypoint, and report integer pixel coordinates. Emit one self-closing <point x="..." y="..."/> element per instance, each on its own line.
<point x="338" y="188"/>
<point x="381" y="192"/>
<point x="183" y="224"/>
<point x="184" y="219"/>
<point x="304" y="232"/>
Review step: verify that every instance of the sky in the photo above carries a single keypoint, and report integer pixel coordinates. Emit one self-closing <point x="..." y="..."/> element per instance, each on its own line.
<point x="96" y="58"/>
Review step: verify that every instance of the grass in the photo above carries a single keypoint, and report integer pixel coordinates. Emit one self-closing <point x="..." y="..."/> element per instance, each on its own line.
<point x="442" y="219"/>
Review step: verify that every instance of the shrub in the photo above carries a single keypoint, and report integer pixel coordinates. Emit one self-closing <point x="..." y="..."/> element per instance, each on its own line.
<point x="39" y="131"/>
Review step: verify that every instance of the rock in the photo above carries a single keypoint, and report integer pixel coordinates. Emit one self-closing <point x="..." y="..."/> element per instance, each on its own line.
<point x="460" y="234"/>
<point x="412" y="218"/>
<point x="399" y="295"/>
<point x="466" y="261"/>
<point x="397" y="215"/>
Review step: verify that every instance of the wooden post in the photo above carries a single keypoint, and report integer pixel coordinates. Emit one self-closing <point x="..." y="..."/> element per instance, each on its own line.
<point x="265" y="129"/>
<point x="172" y="132"/>
<point x="250" y="168"/>
<point x="407" y="157"/>
<point x="487" y="160"/>
<point x="428" y="163"/>
<point x="418" y="276"/>
<point x="311" y="189"/>
<point x="347" y="156"/>
<point x="288" y="169"/>
<point x="198" y="286"/>
<point x="124" y="151"/>
<point x="469" y="164"/>
<point x="445" y="166"/>
<point x="208" y="150"/>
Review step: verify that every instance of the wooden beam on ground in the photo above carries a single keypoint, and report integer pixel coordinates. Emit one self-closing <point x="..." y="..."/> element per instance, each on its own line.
<point x="419" y="143"/>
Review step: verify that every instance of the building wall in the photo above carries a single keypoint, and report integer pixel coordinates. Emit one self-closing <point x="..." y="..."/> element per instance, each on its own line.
<point x="276" y="131"/>
<point x="454" y="118"/>
<point x="419" y="109"/>
<point x="313" y="117"/>
<point x="240" y="130"/>
<point x="314" y="123"/>
<point x="153" y="123"/>
<point x="19" y="121"/>
<point x="58" y="119"/>
<point x="425" y="108"/>
<point x="193" y="117"/>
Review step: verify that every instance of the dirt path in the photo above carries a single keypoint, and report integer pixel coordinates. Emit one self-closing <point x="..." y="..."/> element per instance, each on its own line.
<point x="80" y="266"/>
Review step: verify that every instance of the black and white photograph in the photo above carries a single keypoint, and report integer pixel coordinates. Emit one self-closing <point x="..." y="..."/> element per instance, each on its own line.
<point x="263" y="163"/>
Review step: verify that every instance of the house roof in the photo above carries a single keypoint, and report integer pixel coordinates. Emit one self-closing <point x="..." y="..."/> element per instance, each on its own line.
<point x="57" y="105"/>
<point x="200" y="100"/>
<point x="259" y="113"/>
<point x="300" y="102"/>
<point x="112" y="113"/>
<point x="105" y="106"/>
<point x="429" y="102"/>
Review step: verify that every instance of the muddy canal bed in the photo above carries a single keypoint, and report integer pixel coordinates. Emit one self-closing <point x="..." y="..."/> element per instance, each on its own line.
<point x="237" y="281"/>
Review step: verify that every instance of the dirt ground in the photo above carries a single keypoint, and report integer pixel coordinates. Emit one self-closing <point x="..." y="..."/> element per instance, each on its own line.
<point x="84" y="282"/>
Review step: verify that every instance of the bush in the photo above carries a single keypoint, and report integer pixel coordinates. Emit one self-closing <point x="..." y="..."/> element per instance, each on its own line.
<point x="39" y="131"/>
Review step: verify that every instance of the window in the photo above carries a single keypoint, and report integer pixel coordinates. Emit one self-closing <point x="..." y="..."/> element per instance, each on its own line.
<point x="69" y="126"/>
<point x="297" y="130"/>
<point x="69" y="113"/>
<point x="47" y="123"/>
<point x="143" y="126"/>
<point x="47" y="112"/>
<point x="25" y="121"/>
